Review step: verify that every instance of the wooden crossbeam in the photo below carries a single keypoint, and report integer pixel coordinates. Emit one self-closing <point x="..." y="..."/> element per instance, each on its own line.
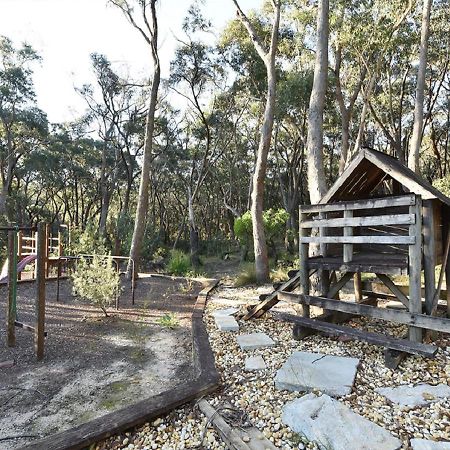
<point x="390" y="240"/>
<point x="336" y="287"/>
<point x="403" y="200"/>
<point x="393" y="288"/>
<point x="397" y="316"/>
<point x="415" y="348"/>
<point x="386" y="219"/>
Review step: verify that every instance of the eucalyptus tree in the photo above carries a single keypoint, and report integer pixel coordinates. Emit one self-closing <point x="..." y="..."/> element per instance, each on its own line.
<point x="23" y="126"/>
<point x="416" y="139"/>
<point x="147" y="26"/>
<point x="267" y="53"/>
<point x="194" y="72"/>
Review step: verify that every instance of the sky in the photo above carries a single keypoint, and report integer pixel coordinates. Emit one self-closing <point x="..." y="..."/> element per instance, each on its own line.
<point x="66" y="32"/>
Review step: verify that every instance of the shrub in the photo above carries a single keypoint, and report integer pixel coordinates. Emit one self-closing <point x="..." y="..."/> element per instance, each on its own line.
<point x="443" y="184"/>
<point x="168" y="320"/>
<point x="86" y="241"/>
<point x="246" y="276"/>
<point x="97" y="281"/>
<point x="179" y="263"/>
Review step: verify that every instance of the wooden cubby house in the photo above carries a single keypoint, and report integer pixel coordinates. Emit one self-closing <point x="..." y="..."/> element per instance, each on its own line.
<point x="379" y="218"/>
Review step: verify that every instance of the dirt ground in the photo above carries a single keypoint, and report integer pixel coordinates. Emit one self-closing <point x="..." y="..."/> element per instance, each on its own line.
<point x="93" y="364"/>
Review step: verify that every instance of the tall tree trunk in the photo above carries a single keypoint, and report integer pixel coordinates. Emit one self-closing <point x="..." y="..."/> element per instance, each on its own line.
<point x="150" y="34"/>
<point x="193" y="233"/>
<point x="413" y="159"/>
<point x="316" y="172"/>
<point x="259" y="175"/>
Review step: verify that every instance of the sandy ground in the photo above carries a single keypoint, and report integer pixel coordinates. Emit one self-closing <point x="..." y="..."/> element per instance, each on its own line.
<point x="93" y="364"/>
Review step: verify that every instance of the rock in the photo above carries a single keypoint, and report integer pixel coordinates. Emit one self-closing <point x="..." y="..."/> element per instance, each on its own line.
<point x="227" y="323"/>
<point x="255" y="363"/>
<point x="421" y="394"/>
<point x="254" y="341"/>
<point x="334" y="426"/>
<point x="224" y="312"/>
<point x="333" y="375"/>
<point x="424" y="444"/>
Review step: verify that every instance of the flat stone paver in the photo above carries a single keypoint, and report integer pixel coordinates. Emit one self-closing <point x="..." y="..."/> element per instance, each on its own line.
<point x="421" y="394"/>
<point x="255" y="363"/>
<point x="334" y="426"/>
<point x="424" y="444"/>
<point x="254" y="341"/>
<point x="303" y="371"/>
<point x="227" y="323"/>
<point x="224" y="312"/>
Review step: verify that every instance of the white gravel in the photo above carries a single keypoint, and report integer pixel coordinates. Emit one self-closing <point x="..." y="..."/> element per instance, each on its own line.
<point x="255" y="394"/>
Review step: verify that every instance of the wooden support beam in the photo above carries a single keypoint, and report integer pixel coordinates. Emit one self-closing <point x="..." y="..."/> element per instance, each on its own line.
<point x="365" y="221"/>
<point x="303" y="258"/>
<point x="358" y="287"/>
<point x="393" y="358"/>
<point x="392" y="315"/>
<point x="387" y="240"/>
<point x="393" y="288"/>
<point x="415" y="263"/>
<point x="403" y="200"/>
<point x="429" y="252"/>
<point x="40" y="291"/>
<point x="348" y="231"/>
<point x="335" y="288"/>
<point x="415" y="348"/>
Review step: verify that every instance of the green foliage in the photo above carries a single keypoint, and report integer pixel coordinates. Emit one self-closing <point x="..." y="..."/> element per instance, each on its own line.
<point x="179" y="263"/>
<point x="168" y="320"/>
<point x="274" y="223"/>
<point x="247" y="276"/>
<point x="87" y="242"/>
<point x="443" y="184"/>
<point x="96" y="280"/>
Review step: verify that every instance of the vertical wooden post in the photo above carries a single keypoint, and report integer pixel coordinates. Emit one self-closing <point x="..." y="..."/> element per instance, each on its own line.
<point x="19" y="250"/>
<point x="415" y="263"/>
<point x="348" y="231"/>
<point x="303" y="257"/>
<point x="429" y="253"/>
<point x="324" y="274"/>
<point x="11" y="313"/>
<point x="48" y="244"/>
<point x="358" y="287"/>
<point x="40" y="291"/>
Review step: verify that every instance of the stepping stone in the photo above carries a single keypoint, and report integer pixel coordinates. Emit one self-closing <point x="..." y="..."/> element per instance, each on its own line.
<point x="254" y="341"/>
<point x="332" y="375"/>
<point x="424" y="444"/>
<point x="422" y="394"/>
<point x="227" y="323"/>
<point x="224" y="312"/>
<point x="255" y="363"/>
<point x="335" y="426"/>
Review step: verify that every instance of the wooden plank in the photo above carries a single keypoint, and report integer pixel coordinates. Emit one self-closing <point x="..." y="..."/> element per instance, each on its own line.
<point x="393" y="288"/>
<point x="11" y="312"/>
<point x="358" y="287"/>
<point x="374" y="203"/>
<point x="26" y="327"/>
<point x="444" y="265"/>
<point x="415" y="348"/>
<point x="303" y="258"/>
<point x="397" y="316"/>
<point x="40" y="291"/>
<point x="393" y="240"/>
<point x="348" y="232"/>
<point x="208" y="381"/>
<point x="415" y="263"/>
<point x="336" y="287"/>
<point x="366" y="221"/>
<point x="226" y="432"/>
<point x="429" y="252"/>
<point x="357" y="266"/>
<point x="272" y="299"/>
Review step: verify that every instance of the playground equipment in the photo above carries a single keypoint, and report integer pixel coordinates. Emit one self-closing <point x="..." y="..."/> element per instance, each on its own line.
<point x="13" y="270"/>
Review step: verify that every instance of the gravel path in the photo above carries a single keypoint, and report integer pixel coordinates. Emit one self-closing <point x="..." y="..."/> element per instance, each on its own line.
<point x="255" y="394"/>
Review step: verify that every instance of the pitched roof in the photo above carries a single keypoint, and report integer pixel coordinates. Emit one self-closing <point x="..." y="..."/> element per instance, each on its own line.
<point x="368" y="169"/>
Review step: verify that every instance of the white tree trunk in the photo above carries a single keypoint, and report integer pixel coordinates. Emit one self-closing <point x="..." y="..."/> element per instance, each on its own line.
<point x="413" y="159"/>
<point x="316" y="174"/>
